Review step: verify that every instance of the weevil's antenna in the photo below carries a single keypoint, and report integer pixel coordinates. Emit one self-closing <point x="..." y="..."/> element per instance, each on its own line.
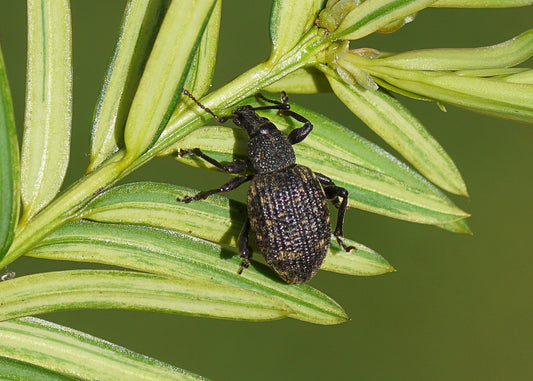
<point x="219" y="119"/>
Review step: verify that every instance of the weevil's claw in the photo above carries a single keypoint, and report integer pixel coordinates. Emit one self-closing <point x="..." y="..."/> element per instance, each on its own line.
<point x="346" y="248"/>
<point x="187" y="199"/>
<point x="244" y="265"/>
<point x="184" y="152"/>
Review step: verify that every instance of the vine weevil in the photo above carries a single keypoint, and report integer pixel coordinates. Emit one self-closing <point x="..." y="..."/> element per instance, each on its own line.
<point x="287" y="202"/>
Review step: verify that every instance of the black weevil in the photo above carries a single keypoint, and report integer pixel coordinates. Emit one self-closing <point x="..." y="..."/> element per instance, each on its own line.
<point x="287" y="202"/>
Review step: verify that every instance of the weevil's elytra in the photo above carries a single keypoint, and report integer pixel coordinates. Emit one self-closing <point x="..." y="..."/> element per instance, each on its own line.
<point x="287" y="203"/>
<point x="293" y="239"/>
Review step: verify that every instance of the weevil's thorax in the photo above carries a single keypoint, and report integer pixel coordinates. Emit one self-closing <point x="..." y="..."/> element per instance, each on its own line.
<point x="269" y="149"/>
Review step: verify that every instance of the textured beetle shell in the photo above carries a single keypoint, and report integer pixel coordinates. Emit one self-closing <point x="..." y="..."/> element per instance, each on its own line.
<point x="290" y="217"/>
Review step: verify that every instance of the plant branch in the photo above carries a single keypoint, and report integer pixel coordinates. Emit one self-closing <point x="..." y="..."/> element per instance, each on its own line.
<point x="66" y="206"/>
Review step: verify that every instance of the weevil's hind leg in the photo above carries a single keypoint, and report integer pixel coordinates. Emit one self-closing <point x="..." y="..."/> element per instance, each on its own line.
<point x="335" y="193"/>
<point x="236" y="166"/>
<point x="245" y="251"/>
<point x="230" y="185"/>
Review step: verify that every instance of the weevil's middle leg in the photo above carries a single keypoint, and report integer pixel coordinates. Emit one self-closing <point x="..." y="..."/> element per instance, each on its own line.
<point x="245" y="251"/>
<point x="237" y="166"/>
<point x="229" y="186"/>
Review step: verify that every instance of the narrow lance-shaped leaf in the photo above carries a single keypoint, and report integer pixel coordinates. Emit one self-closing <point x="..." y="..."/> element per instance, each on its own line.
<point x="496" y="73"/>
<point x="200" y="75"/>
<point x="485" y="95"/>
<point x="398" y="127"/>
<point x="140" y="24"/>
<point x="505" y="54"/>
<point x="376" y="181"/>
<point x="9" y="165"/>
<point x="374" y="15"/>
<point x="170" y="253"/>
<point x="77" y="354"/>
<point x="215" y="219"/>
<point x="165" y="73"/>
<point x="525" y="77"/>
<point x="482" y="3"/>
<point x="19" y="370"/>
<point x="102" y="289"/>
<point x="202" y="67"/>
<point x="289" y="20"/>
<point x="368" y="189"/>
<point x="45" y="147"/>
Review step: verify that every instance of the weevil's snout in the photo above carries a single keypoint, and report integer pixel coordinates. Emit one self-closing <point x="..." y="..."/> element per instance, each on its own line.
<point x="246" y="117"/>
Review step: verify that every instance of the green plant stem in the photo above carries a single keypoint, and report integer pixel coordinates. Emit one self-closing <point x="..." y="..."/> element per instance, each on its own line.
<point x="63" y="208"/>
<point x="67" y="206"/>
<point x="260" y="76"/>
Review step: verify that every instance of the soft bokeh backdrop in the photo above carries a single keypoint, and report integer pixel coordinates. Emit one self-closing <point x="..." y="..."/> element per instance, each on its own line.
<point x="458" y="307"/>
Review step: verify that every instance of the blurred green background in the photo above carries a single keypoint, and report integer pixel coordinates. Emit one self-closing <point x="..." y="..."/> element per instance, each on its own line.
<point x="458" y="307"/>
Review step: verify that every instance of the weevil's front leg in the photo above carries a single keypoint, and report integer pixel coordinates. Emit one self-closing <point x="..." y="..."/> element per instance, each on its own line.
<point x="230" y="185"/>
<point x="335" y="193"/>
<point x="238" y="166"/>
<point x="298" y="134"/>
<point x="245" y="251"/>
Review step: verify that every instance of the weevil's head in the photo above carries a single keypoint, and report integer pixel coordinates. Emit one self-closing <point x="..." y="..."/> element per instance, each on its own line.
<point x="247" y="118"/>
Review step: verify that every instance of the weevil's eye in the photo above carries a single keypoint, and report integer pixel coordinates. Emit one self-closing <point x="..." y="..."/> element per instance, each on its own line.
<point x="237" y="120"/>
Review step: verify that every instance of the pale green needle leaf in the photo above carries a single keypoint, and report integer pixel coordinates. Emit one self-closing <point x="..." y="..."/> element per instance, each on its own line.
<point x="363" y="261"/>
<point x="202" y="68"/>
<point x="19" y="370"/>
<point x="140" y="25"/>
<point x="373" y="15"/>
<point x="505" y="54"/>
<point x="369" y="189"/>
<point x="495" y="73"/>
<point x="491" y="96"/>
<point x="103" y="289"/>
<point x="525" y="77"/>
<point x="397" y="126"/>
<point x="401" y="91"/>
<point x="482" y="3"/>
<point x="289" y="21"/>
<point x="216" y="219"/>
<point x="301" y="81"/>
<point x="165" y="73"/>
<point x="79" y="355"/>
<point x="9" y="165"/>
<point x="45" y="147"/>
<point x="171" y="253"/>
<point x="376" y="181"/>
